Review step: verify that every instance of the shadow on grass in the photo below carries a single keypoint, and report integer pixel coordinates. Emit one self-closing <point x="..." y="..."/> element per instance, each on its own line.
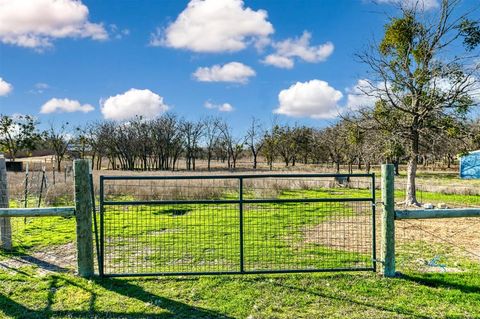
<point x="344" y="299"/>
<point x="173" y="211"/>
<point x="22" y="258"/>
<point x="443" y="281"/>
<point x="170" y="308"/>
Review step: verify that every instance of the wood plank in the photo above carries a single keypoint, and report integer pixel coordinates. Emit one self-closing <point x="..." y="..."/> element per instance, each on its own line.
<point x="83" y="214"/>
<point x="5" y="224"/>
<point x="437" y="213"/>
<point x="388" y="220"/>
<point x="37" y="212"/>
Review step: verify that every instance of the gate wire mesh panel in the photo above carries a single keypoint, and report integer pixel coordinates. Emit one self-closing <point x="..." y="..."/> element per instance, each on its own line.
<point x="233" y="224"/>
<point x="292" y="231"/>
<point x="44" y="242"/>
<point x="439" y="245"/>
<point x="143" y="236"/>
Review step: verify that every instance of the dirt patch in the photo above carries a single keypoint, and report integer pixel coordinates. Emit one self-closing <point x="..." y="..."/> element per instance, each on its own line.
<point x="61" y="258"/>
<point x="458" y="236"/>
<point x="353" y="234"/>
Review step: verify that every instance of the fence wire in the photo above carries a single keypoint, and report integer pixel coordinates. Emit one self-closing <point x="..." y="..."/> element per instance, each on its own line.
<point x="45" y="242"/>
<point x="236" y="224"/>
<point x="439" y="245"/>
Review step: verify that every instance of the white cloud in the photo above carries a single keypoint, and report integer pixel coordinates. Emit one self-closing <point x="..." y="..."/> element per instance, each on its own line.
<point x="5" y="87"/>
<point x="37" y="23"/>
<point x="215" y="26"/>
<point x="278" y="61"/>
<point x="118" y="33"/>
<point x="65" y="106"/>
<point x="419" y="4"/>
<point x="39" y="88"/>
<point x="287" y="50"/>
<point x="224" y="107"/>
<point x="133" y="103"/>
<point x="358" y="97"/>
<point x="315" y="99"/>
<point x="471" y="86"/>
<point x="231" y="72"/>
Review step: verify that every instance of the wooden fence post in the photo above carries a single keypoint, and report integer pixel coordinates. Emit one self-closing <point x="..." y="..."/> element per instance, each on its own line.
<point x="388" y="220"/>
<point x="5" y="225"/>
<point x="83" y="214"/>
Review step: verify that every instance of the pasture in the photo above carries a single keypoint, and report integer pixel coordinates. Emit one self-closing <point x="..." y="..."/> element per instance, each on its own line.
<point x="437" y="260"/>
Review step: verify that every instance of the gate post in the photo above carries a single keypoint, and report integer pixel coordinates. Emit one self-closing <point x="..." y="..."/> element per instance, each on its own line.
<point x="5" y="224"/>
<point x="83" y="215"/>
<point x="388" y="220"/>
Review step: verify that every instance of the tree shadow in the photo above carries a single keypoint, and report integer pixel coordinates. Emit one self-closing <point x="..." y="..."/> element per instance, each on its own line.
<point x="173" y="211"/>
<point x="448" y="282"/>
<point x="172" y="308"/>
<point x="22" y="257"/>
<point x="343" y="298"/>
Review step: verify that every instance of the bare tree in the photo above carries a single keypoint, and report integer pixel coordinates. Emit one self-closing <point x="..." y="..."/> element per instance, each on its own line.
<point x="254" y="139"/>
<point x="58" y="140"/>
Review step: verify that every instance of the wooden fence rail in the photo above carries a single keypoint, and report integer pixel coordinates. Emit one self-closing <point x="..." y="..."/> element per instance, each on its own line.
<point x="37" y="212"/>
<point x="82" y="212"/>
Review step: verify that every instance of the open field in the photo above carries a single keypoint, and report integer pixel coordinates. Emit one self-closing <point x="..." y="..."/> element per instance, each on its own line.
<point x="438" y="260"/>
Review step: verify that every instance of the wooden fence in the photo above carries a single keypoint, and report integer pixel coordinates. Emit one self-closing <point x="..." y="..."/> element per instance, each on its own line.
<point x="82" y="212"/>
<point x="390" y="214"/>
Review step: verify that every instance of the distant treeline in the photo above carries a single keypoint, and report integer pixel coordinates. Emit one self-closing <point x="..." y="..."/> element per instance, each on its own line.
<point x="170" y="142"/>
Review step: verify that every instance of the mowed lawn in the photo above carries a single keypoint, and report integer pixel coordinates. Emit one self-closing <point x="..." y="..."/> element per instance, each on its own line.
<point x="277" y="239"/>
<point x="25" y="294"/>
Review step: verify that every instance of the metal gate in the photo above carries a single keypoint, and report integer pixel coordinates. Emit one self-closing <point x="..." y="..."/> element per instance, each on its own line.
<point x="236" y="224"/>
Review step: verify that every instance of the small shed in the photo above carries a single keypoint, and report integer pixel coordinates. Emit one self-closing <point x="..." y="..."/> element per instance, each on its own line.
<point x="470" y="165"/>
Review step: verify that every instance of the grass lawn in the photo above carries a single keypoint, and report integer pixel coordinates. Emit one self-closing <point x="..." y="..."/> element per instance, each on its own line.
<point x="25" y="294"/>
<point x="206" y="238"/>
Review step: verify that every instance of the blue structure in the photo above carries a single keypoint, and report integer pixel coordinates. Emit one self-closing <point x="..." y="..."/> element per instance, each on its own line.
<point x="470" y="165"/>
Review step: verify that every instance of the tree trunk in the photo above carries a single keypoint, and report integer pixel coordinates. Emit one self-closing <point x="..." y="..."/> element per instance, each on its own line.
<point x="209" y="160"/>
<point x="411" y="191"/>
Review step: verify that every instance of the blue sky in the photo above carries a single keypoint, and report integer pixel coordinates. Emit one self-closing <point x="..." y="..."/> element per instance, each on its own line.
<point x="89" y="56"/>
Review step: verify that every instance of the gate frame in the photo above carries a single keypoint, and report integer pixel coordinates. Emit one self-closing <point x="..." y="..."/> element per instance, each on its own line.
<point x="240" y="201"/>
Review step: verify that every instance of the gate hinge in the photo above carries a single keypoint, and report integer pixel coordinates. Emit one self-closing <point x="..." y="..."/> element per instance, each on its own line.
<point x="378" y="261"/>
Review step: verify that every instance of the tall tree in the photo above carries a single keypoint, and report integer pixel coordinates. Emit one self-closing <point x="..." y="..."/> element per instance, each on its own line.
<point x="419" y="85"/>
<point x="18" y="133"/>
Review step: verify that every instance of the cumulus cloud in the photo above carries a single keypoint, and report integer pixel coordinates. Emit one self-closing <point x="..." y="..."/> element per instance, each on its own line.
<point x="65" y="106"/>
<point x="231" y="72"/>
<point x="419" y="4"/>
<point x="224" y="107"/>
<point x="287" y="50"/>
<point x="37" y="23"/>
<point x="133" y="103"/>
<point x="214" y="26"/>
<point x="471" y="86"/>
<point x="358" y="97"/>
<point x="278" y="61"/>
<point x="5" y="87"/>
<point x="315" y="99"/>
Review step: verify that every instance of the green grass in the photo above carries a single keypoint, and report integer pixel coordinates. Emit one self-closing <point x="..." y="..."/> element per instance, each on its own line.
<point x="24" y="294"/>
<point x="205" y="237"/>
